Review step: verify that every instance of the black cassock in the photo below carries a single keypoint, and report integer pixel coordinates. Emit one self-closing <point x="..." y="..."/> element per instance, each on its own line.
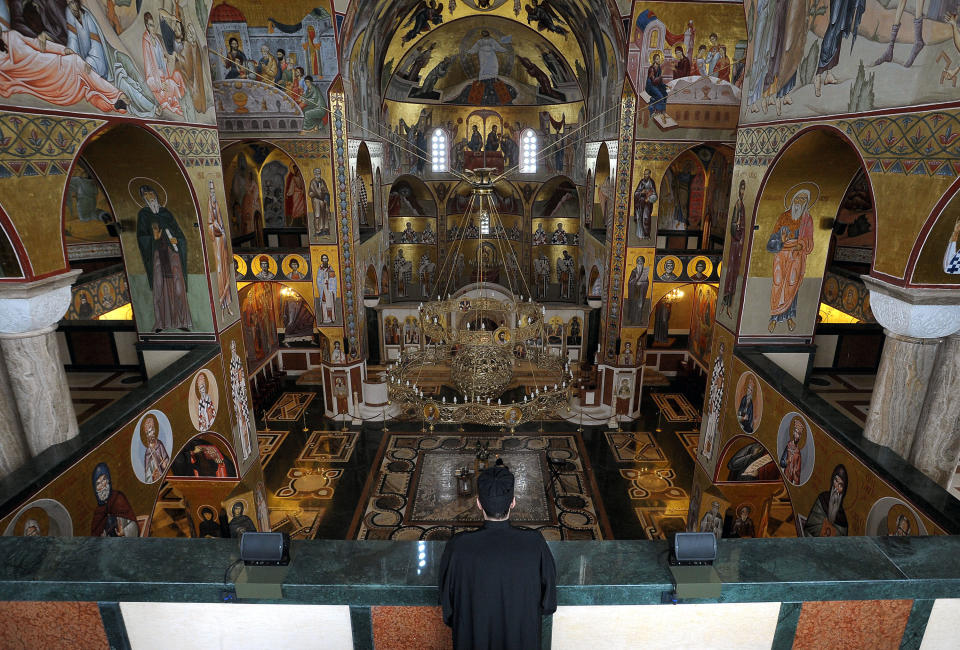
<point x="495" y="584"/>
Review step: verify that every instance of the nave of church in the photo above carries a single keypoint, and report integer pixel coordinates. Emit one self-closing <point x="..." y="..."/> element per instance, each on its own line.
<point x="308" y="268"/>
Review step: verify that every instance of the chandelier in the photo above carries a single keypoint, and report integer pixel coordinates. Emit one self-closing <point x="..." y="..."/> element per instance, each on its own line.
<point x="483" y="358"/>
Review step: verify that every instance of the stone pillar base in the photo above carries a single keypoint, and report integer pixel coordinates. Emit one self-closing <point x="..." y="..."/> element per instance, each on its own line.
<point x="13" y="445"/>
<point x="40" y="387"/>
<point x="936" y="448"/>
<point x="899" y="391"/>
<point x="29" y="313"/>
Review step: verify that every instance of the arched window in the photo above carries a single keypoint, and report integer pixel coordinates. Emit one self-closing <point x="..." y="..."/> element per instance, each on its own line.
<point x="438" y="151"/>
<point x="528" y="152"/>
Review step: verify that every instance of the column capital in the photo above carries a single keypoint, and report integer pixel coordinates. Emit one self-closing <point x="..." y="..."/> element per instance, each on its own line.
<point x="35" y="306"/>
<point x="916" y="313"/>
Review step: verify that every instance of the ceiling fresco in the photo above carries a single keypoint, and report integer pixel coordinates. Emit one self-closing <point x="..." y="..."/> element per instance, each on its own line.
<point x="584" y="41"/>
<point x="453" y="64"/>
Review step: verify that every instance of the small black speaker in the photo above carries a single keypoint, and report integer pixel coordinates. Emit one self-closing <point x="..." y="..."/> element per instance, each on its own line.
<point x="694" y="548"/>
<point x="265" y="549"/>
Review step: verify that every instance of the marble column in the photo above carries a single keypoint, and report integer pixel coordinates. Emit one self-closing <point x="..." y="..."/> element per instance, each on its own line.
<point x="29" y="313"/>
<point x="899" y="391"/>
<point x="13" y="446"/>
<point x="915" y="321"/>
<point x="936" y="448"/>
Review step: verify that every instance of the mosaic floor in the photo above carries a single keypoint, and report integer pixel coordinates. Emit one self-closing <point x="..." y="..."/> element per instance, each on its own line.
<point x="369" y="484"/>
<point x="848" y="393"/>
<point x="414" y="493"/>
<point x="289" y="407"/>
<point x="676" y="407"/>
<point x="92" y="392"/>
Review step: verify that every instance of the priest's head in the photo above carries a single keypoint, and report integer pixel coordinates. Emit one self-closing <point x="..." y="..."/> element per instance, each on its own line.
<point x="495" y="493"/>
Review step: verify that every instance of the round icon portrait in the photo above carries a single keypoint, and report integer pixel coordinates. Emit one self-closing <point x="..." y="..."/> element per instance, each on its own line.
<point x="699" y="268"/>
<point x="203" y="400"/>
<point x="431" y="412"/>
<point x="831" y="290"/>
<point x="239" y="267"/>
<point x="150" y="446"/>
<point x="83" y="305"/>
<point x="795" y="448"/>
<point x="295" y="267"/>
<point x="749" y="398"/>
<point x="263" y="267"/>
<point x="41" y="518"/>
<point x="513" y="415"/>
<point x="502" y="336"/>
<point x="669" y="269"/>
<point x="850" y="299"/>
<point x="108" y="295"/>
<point x="890" y="516"/>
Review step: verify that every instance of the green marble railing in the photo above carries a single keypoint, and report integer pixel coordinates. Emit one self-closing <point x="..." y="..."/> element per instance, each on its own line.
<point x="392" y="573"/>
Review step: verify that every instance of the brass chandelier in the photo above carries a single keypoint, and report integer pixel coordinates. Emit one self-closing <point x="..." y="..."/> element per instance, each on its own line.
<point x="471" y="350"/>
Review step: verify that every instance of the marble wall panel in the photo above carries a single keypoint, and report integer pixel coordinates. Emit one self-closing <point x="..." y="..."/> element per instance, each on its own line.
<point x="398" y="628"/>
<point x="51" y="625"/>
<point x="852" y="624"/>
<point x="221" y="625"/>
<point x="741" y="626"/>
<point x="941" y="629"/>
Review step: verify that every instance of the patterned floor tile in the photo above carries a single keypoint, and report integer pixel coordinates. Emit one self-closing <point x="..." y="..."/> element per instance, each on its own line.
<point x="676" y="407"/>
<point x="634" y="446"/>
<point x="289" y="407"/>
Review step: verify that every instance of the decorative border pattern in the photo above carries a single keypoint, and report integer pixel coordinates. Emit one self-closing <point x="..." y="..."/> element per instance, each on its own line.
<point x="342" y="201"/>
<point x="756" y="147"/>
<point x="40" y="145"/>
<point x="306" y="148"/>
<point x="922" y="144"/>
<point x="618" y="238"/>
<point x="196" y="147"/>
<point x="654" y="151"/>
<point x="927" y="144"/>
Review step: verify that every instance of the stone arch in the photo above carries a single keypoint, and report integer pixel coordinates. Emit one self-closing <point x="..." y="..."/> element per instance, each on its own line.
<point x="797" y="174"/>
<point x="150" y="163"/>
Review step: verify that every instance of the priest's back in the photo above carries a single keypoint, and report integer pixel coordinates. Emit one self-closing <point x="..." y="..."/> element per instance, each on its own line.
<point x="495" y="584"/>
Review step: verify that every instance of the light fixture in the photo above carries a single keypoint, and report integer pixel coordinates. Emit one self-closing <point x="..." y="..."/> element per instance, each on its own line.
<point x="472" y="340"/>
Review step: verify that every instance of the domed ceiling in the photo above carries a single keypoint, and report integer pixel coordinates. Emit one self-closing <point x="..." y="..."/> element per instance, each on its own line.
<point x="547" y="52"/>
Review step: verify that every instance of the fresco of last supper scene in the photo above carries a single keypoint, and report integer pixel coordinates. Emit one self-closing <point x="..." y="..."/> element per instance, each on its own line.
<point x="309" y="267"/>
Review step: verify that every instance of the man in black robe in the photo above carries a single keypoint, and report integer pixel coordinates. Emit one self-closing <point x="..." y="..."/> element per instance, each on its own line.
<point x="496" y="582"/>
